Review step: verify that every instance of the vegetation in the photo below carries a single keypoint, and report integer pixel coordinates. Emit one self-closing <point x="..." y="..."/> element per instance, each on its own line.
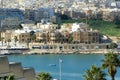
<point x="105" y="27"/>
<point x="9" y="77"/>
<point x="117" y="21"/>
<point x="111" y="61"/>
<point x="32" y="35"/>
<point x="44" y="76"/>
<point x="70" y="39"/>
<point x="113" y="45"/>
<point x="9" y="40"/>
<point x="15" y="39"/>
<point x="2" y="39"/>
<point x="95" y="73"/>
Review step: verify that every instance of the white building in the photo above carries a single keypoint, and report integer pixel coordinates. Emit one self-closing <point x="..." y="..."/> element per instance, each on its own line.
<point x="78" y="26"/>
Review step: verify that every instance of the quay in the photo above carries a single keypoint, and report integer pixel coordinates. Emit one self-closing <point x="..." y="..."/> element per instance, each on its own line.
<point x="55" y="48"/>
<point x="37" y="48"/>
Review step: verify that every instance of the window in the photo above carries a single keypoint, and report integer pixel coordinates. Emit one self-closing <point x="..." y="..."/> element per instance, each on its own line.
<point x="22" y="35"/>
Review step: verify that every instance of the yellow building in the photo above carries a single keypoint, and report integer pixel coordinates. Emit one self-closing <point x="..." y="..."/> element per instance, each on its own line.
<point x="86" y="37"/>
<point x="6" y="35"/>
<point x="22" y="36"/>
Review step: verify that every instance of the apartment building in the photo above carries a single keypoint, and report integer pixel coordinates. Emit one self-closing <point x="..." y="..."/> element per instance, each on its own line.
<point x="10" y="22"/>
<point x="22" y="35"/>
<point x="39" y="14"/>
<point x="48" y="33"/>
<point x="46" y="26"/>
<point x="86" y="37"/>
<point x="6" y="36"/>
<point x="10" y="18"/>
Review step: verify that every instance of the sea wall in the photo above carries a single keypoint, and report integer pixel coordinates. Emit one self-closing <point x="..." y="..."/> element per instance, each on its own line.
<point x="4" y="65"/>
<point x="29" y="73"/>
<point x="15" y="69"/>
<point x="41" y="48"/>
<point x="84" y="51"/>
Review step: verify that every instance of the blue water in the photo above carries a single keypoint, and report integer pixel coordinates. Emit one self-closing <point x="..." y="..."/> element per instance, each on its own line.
<point x="73" y="66"/>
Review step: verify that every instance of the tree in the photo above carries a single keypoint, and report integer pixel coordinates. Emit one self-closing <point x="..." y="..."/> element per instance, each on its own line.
<point x="9" y="77"/>
<point x="117" y="0"/>
<point x="32" y="35"/>
<point x="9" y="40"/>
<point x="70" y="39"/>
<point x="44" y="76"/>
<point x="113" y="45"/>
<point x="111" y="62"/>
<point x="117" y="21"/>
<point x="15" y="39"/>
<point x="2" y="40"/>
<point x="95" y="73"/>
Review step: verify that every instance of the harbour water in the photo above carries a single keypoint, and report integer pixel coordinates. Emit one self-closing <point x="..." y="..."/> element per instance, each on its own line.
<point x="73" y="66"/>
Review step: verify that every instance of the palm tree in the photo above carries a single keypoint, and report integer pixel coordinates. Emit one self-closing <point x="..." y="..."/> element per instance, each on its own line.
<point x="15" y="39"/>
<point x="2" y="40"/>
<point x="113" y="45"/>
<point x="9" y="40"/>
<point x="111" y="62"/>
<point x="33" y="37"/>
<point x="9" y="77"/>
<point x="44" y="76"/>
<point x="95" y="73"/>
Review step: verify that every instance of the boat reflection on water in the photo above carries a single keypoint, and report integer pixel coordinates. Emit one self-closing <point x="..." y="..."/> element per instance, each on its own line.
<point x="52" y="65"/>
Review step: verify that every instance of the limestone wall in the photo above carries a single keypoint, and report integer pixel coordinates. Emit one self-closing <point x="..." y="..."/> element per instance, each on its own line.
<point x="16" y="68"/>
<point x="4" y="65"/>
<point x="29" y="74"/>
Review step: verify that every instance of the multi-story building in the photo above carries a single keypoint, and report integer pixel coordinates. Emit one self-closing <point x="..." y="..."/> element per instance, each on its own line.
<point x="86" y="37"/>
<point x="6" y="35"/>
<point x="78" y="32"/>
<point x="10" y="22"/>
<point x="10" y="17"/>
<point x="39" y="14"/>
<point x="22" y="35"/>
<point x="83" y="34"/>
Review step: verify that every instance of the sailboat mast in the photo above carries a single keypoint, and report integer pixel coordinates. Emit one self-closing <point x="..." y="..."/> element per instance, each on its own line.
<point x="60" y="68"/>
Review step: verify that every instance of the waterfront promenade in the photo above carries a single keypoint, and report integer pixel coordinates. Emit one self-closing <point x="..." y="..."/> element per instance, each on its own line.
<point x="36" y="48"/>
<point x="87" y="51"/>
<point x="55" y="48"/>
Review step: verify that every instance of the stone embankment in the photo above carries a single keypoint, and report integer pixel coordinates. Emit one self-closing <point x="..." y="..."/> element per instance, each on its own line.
<point x="86" y="51"/>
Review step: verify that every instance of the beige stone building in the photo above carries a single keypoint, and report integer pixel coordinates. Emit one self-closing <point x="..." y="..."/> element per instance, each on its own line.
<point x="21" y="35"/>
<point x="86" y="37"/>
<point x="6" y="35"/>
<point x="24" y="37"/>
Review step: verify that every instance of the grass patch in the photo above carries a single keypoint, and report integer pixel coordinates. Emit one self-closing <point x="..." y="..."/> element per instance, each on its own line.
<point x="104" y="27"/>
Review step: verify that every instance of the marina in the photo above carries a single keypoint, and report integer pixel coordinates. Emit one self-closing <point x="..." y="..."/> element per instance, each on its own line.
<point x="73" y="66"/>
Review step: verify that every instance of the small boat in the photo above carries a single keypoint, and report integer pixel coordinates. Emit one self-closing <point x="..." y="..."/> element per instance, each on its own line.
<point x="52" y="64"/>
